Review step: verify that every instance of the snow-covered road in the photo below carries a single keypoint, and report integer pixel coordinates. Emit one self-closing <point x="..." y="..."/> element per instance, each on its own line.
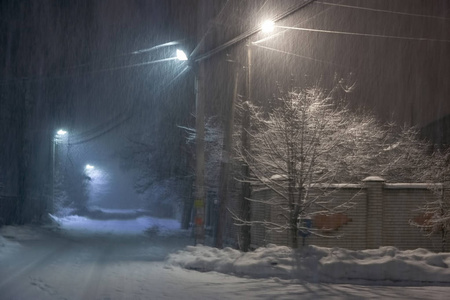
<point x="68" y="264"/>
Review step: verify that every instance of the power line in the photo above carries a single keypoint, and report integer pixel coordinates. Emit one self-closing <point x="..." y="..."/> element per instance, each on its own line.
<point x="361" y="8"/>
<point x="100" y="130"/>
<point x="301" y="56"/>
<point x="119" y="119"/>
<point x="136" y="52"/>
<point x="385" y="11"/>
<point x="363" y="34"/>
<point x="301" y="22"/>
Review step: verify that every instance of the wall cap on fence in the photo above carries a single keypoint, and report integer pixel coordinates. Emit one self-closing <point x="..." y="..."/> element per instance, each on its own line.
<point x="413" y="185"/>
<point x="337" y="185"/>
<point x="258" y="187"/>
<point x="373" y="179"/>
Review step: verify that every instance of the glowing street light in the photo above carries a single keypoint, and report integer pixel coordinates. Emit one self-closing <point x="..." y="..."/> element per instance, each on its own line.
<point x="61" y="132"/>
<point x="60" y="136"/>
<point x="267" y="26"/>
<point x="181" y="55"/>
<point x="89" y="167"/>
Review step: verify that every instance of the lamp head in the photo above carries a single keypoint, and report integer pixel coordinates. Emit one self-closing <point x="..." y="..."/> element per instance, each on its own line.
<point x="61" y="132"/>
<point x="181" y="55"/>
<point x="267" y="26"/>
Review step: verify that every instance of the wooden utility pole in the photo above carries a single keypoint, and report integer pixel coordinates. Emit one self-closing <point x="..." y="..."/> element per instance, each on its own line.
<point x="199" y="202"/>
<point x="225" y="166"/>
<point x="246" y="192"/>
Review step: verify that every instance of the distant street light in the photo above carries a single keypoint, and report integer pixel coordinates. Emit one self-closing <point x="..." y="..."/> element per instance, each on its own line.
<point x="61" y="132"/>
<point x="89" y="167"/>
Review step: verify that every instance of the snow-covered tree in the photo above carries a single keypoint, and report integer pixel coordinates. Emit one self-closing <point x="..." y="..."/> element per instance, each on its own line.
<point x="307" y="140"/>
<point x="159" y="178"/>
<point x="434" y="215"/>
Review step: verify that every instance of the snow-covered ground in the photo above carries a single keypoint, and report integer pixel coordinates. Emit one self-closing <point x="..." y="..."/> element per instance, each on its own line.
<point x="83" y="258"/>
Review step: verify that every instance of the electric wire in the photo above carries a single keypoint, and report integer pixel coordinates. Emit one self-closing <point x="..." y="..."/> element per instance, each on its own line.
<point x="297" y="24"/>
<point x="364" y="34"/>
<point x="385" y="11"/>
<point x="33" y="78"/>
<point x="119" y="119"/>
<point x="301" y="56"/>
<point x="331" y="5"/>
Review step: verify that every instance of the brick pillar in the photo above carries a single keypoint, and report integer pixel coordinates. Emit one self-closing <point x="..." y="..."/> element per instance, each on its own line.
<point x="374" y="222"/>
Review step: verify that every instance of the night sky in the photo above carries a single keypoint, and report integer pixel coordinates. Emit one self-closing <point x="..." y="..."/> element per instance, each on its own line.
<point x="85" y="66"/>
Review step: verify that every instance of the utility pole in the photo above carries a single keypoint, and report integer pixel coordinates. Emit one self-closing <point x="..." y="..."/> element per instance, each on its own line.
<point x="225" y="166"/>
<point x="199" y="70"/>
<point x="199" y="203"/>
<point x="246" y="192"/>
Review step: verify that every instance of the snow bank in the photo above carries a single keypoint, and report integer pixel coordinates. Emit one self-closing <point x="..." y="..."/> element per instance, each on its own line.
<point x="131" y="226"/>
<point x="319" y="264"/>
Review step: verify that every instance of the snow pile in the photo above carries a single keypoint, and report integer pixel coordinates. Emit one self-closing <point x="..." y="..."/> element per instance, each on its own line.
<point x="319" y="264"/>
<point x="129" y="226"/>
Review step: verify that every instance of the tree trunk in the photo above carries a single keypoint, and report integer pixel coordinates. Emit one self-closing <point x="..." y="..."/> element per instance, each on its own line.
<point x="245" y="211"/>
<point x="293" y="235"/>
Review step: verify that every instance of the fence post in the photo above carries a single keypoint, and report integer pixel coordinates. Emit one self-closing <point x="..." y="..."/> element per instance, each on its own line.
<point x="374" y="224"/>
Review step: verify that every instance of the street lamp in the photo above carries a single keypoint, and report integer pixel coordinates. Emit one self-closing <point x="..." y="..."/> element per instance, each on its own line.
<point x="267" y="26"/>
<point x="89" y="167"/>
<point x="181" y="55"/>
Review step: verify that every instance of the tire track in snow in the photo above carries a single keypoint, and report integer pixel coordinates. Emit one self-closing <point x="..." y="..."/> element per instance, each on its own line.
<point x="93" y="279"/>
<point x="35" y="264"/>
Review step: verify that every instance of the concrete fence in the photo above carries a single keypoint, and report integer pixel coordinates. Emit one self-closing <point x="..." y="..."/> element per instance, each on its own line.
<point x="380" y="216"/>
